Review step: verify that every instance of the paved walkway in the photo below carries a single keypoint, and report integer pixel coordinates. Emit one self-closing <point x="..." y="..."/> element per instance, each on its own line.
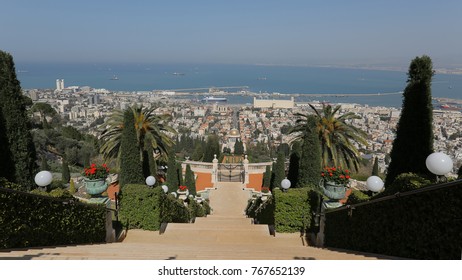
<point x="225" y="235"/>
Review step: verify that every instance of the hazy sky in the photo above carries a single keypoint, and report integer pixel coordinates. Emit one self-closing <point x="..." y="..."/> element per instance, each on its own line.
<point x="389" y="32"/>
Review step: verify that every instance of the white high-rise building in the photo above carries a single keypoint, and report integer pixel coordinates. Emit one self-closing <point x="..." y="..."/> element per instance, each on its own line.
<point x="59" y="84"/>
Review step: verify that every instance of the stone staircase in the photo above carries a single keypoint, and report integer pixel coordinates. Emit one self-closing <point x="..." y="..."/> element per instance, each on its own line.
<point x="225" y="235"/>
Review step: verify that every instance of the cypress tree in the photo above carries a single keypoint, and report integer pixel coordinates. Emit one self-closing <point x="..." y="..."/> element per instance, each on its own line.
<point x="131" y="167"/>
<point x="279" y="171"/>
<point x="238" y="147"/>
<point x="310" y="162"/>
<point x="190" y="180"/>
<point x="149" y="163"/>
<point x="414" y="135"/>
<point x="375" y="168"/>
<point x="272" y="178"/>
<point x="66" y="175"/>
<point x="294" y="164"/>
<point x="172" y="174"/>
<point x="267" y="177"/>
<point x="6" y="161"/>
<point x="17" y="125"/>
<point x="152" y="162"/>
<point x="179" y="172"/>
<point x="212" y="148"/>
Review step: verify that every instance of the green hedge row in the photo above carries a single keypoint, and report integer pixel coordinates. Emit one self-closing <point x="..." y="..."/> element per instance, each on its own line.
<point x="146" y="208"/>
<point x="288" y="211"/>
<point x="292" y="210"/>
<point x="261" y="211"/>
<point x="140" y="207"/>
<point x="424" y="225"/>
<point x="28" y="220"/>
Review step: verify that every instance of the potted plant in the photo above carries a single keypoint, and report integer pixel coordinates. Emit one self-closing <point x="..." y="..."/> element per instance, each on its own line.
<point x="95" y="178"/>
<point x="334" y="182"/>
<point x="182" y="190"/>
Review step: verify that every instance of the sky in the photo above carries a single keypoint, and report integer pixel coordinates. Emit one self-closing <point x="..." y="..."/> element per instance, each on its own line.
<point x="289" y="32"/>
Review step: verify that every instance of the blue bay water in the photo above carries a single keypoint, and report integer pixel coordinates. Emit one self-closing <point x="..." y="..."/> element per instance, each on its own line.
<point x="282" y="79"/>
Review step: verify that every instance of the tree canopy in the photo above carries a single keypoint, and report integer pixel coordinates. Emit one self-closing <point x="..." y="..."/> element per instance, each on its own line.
<point x="414" y="135"/>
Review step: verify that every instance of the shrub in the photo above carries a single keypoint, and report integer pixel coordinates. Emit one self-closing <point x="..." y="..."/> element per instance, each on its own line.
<point x="264" y="214"/>
<point x="405" y="182"/>
<point x="4" y="183"/>
<point x="196" y="209"/>
<point x="423" y="225"/>
<point x="174" y="211"/>
<point x="29" y="220"/>
<point x="140" y="207"/>
<point x="357" y="197"/>
<point x="292" y="210"/>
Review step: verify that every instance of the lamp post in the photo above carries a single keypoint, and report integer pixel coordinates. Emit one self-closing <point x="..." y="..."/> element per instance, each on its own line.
<point x="150" y="181"/>
<point x="374" y="184"/>
<point x="439" y="164"/>
<point x="165" y="188"/>
<point x="43" y="178"/>
<point x="285" y="184"/>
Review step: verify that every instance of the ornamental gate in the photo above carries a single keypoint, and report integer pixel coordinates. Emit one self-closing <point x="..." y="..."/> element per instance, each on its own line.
<point x="231" y="172"/>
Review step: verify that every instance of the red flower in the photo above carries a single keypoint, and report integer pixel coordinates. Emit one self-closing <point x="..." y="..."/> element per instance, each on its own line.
<point x="96" y="172"/>
<point x="336" y="174"/>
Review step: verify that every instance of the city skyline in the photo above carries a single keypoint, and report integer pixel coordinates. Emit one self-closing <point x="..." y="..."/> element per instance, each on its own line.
<point x="382" y="33"/>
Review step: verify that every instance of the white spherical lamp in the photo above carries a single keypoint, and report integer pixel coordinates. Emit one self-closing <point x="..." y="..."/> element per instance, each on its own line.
<point x="439" y="163"/>
<point x="43" y="178"/>
<point x="285" y="184"/>
<point x="165" y="188"/>
<point x="374" y="183"/>
<point x="150" y="181"/>
<point x="174" y="194"/>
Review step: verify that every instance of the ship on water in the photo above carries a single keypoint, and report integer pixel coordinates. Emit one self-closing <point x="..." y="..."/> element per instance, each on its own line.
<point x="114" y="78"/>
<point x="450" y="107"/>
<point x="214" y="99"/>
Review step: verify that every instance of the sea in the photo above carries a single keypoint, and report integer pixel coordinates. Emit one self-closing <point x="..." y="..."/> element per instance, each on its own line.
<point x="372" y="86"/>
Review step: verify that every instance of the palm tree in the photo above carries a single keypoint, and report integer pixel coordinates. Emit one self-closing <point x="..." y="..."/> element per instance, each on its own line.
<point x="336" y="134"/>
<point x="151" y="129"/>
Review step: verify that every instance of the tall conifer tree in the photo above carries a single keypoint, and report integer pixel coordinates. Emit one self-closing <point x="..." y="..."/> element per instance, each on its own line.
<point x="267" y="177"/>
<point x="294" y="164"/>
<point x="17" y="125"/>
<point x="172" y="174"/>
<point x="66" y="175"/>
<point x="131" y="167"/>
<point x="310" y="162"/>
<point x="6" y="162"/>
<point x="375" y="168"/>
<point x="279" y="171"/>
<point x="190" y="180"/>
<point x="414" y="135"/>
<point x="212" y="148"/>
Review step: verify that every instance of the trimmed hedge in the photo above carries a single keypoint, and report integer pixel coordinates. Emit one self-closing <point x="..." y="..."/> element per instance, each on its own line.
<point x="261" y="211"/>
<point x="288" y="211"/>
<point x="292" y="210"/>
<point x="146" y="208"/>
<point x="423" y="225"/>
<point x="28" y="220"/>
<point x="174" y="211"/>
<point x="140" y="207"/>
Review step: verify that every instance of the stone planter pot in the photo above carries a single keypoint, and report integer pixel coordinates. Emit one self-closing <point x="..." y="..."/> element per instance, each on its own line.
<point x="333" y="190"/>
<point x="96" y="186"/>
